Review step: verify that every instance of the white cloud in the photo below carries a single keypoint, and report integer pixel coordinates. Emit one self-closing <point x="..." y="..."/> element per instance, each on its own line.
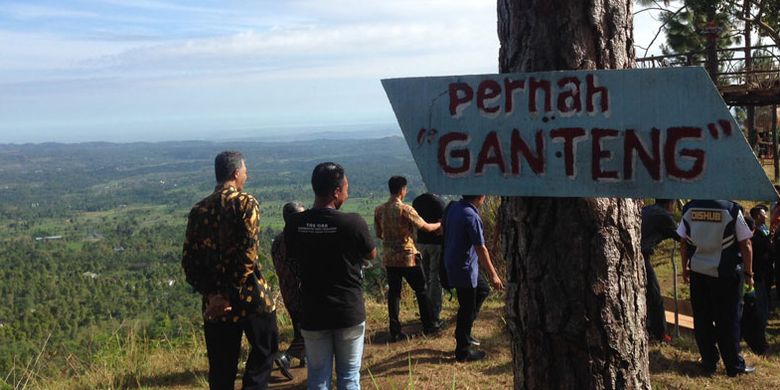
<point x="310" y="34"/>
<point x="239" y="63"/>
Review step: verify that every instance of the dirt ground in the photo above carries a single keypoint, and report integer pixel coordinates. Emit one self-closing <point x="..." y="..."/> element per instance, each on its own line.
<point x="427" y="362"/>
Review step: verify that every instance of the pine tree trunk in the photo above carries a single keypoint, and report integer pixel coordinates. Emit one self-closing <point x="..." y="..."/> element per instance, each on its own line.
<point x="575" y="302"/>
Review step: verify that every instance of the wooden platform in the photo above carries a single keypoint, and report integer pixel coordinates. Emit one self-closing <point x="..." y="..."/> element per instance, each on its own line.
<point x="685" y="316"/>
<point x="686" y="322"/>
<point x="751" y="95"/>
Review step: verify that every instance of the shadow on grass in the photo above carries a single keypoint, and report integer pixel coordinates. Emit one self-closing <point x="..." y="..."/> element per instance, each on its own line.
<point x="398" y="364"/>
<point x="185" y="378"/>
<point x="499" y="370"/>
<point x="663" y="364"/>
<point x="412" y="330"/>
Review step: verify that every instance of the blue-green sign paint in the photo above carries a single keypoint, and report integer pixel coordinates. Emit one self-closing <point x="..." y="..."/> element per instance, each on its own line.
<point x="663" y="133"/>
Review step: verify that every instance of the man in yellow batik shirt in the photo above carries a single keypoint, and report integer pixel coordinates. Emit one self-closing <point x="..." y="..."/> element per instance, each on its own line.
<point x="395" y="222"/>
<point x="220" y="262"/>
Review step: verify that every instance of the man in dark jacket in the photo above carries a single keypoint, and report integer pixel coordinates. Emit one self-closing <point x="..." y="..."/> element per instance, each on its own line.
<point x="431" y="208"/>
<point x="657" y="225"/>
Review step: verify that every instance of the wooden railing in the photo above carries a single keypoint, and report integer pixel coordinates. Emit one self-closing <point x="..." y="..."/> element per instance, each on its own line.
<point x="762" y="75"/>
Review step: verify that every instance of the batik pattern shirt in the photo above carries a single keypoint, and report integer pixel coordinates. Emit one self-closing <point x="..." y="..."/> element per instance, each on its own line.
<point x="397" y="221"/>
<point x="220" y="252"/>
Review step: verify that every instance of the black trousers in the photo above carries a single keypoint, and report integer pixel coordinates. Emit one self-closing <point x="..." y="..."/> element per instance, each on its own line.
<point x="470" y="300"/>
<point x="717" y="306"/>
<point x="656" y="318"/>
<point x="223" y="345"/>
<point x="416" y="279"/>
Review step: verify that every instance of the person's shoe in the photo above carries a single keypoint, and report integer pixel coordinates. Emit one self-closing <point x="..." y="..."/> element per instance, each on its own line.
<point x="396" y="337"/>
<point x="297" y="354"/>
<point x="473" y="341"/>
<point x="743" y="371"/>
<point x="283" y="362"/>
<point x="471" y="356"/>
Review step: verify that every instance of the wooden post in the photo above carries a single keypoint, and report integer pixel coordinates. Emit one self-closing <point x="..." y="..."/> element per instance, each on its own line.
<point x="751" y="110"/>
<point x="712" y="32"/>
<point x="774" y="143"/>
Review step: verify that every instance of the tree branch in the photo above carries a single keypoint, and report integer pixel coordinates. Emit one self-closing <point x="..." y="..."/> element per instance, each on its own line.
<point x="652" y="9"/>
<point x="756" y="20"/>
<point x="661" y="28"/>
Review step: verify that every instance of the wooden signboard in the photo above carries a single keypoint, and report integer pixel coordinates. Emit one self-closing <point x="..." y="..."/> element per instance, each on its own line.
<point x="649" y="133"/>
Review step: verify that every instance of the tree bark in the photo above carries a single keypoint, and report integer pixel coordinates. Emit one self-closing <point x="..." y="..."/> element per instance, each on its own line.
<point x="575" y="299"/>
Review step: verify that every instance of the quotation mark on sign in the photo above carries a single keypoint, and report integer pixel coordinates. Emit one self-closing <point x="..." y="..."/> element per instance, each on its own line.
<point x="425" y="134"/>
<point x="724" y="125"/>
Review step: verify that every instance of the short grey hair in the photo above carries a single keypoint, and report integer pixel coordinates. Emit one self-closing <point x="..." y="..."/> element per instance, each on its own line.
<point x="226" y="163"/>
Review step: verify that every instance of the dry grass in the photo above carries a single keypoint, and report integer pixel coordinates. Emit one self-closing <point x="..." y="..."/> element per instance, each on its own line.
<point x="676" y="366"/>
<point x="427" y="362"/>
<point x="423" y="362"/>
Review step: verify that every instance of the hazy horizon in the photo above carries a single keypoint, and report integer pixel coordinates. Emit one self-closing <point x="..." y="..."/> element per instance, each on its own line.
<point x="276" y="134"/>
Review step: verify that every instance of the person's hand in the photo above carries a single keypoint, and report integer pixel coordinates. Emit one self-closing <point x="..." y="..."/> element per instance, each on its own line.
<point x="750" y="282"/>
<point x="686" y="275"/>
<point x="218" y="305"/>
<point x="439" y="231"/>
<point x="496" y="282"/>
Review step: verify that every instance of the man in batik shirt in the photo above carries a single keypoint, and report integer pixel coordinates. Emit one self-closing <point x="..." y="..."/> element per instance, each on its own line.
<point x="220" y="262"/>
<point x="394" y="223"/>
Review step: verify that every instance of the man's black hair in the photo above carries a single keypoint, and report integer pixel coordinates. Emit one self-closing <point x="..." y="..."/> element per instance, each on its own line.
<point x="290" y="209"/>
<point x="226" y="163"/>
<point x="326" y="177"/>
<point x="660" y="201"/>
<point x="751" y="224"/>
<point x="395" y="184"/>
<point x="757" y="210"/>
<point x="469" y="198"/>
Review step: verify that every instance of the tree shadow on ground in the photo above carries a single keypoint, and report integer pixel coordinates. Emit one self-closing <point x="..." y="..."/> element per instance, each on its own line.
<point x="660" y="363"/>
<point x="400" y="362"/>
<point x="412" y="330"/>
<point x="500" y="369"/>
<point x="185" y="378"/>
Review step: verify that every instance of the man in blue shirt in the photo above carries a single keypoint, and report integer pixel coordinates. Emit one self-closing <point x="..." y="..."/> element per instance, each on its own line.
<point x="464" y="250"/>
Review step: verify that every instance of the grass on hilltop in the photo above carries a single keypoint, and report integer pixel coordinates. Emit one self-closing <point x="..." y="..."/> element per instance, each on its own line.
<point x="421" y="363"/>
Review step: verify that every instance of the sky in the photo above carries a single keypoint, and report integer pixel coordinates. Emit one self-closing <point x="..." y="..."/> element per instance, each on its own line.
<point x="157" y="70"/>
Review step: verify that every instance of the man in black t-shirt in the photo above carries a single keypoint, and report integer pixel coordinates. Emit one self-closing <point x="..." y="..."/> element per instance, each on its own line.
<point x="431" y="208"/>
<point x="330" y="247"/>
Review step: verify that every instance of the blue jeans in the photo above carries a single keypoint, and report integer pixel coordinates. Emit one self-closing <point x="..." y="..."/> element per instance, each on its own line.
<point x="346" y="344"/>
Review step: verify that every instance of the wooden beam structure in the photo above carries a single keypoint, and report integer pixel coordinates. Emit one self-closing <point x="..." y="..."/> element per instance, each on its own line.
<point x="743" y="80"/>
